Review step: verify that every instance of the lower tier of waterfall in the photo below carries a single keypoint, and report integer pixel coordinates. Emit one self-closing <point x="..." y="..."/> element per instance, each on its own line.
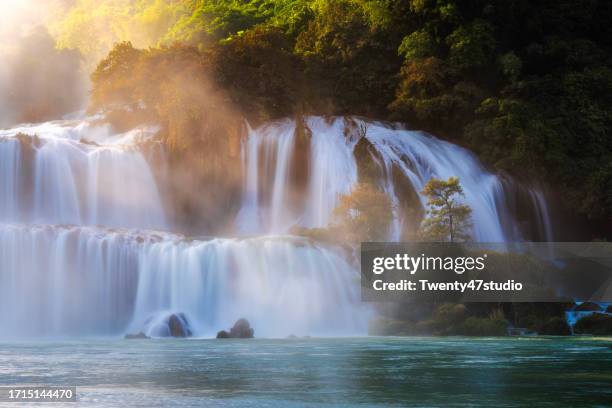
<point x="63" y="281"/>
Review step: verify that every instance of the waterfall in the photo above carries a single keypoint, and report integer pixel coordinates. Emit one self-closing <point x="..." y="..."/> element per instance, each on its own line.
<point x="543" y="216"/>
<point x="420" y="157"/>
<point x="86" y="248"/>
<point x="283" y="285"/>
<point x="333" y="172"/>
<point x="89" y="281"/>
<point x="55" y="179"/>
<point x="78" y="255"/>
<point x="276" y="147"/>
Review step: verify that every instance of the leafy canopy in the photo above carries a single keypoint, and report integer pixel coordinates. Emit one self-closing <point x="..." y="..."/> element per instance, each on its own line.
<point x="525" y="85"/>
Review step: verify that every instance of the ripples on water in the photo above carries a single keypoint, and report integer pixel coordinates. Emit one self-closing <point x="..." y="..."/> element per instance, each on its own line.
<point x="322" y="372"/>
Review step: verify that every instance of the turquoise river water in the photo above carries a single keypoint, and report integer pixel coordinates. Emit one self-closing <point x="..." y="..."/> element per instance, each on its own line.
<point x="368" y="371"/>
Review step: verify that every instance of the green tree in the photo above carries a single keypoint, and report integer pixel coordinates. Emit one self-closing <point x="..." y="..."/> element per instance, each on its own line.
<point x="364" y="215"/>
<point x="351" y="60"/>
<point x="94" y="26"/>
<point x="447" y="219"/>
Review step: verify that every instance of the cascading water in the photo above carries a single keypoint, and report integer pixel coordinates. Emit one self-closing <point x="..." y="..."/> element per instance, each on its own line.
<point x="333" y="172"/>
<point x="421" y="157"/>
<point x="269" y="150"/>
<point x="90" y="281"/>
<point x="292" y="285"/>
<point x="80" y="279"/>
<point x="65" y="271"/>
<point x="54" y="179"/>
<point x="542" y="214"/>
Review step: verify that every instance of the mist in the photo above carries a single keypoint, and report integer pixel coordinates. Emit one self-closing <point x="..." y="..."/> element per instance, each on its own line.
<point x="38" y="81"/>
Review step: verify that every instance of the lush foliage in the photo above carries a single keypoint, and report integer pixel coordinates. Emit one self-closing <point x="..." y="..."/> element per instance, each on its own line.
<point x="596" y="324"/>
<point x="445" y="319"/>
<point x="527" y="86"/>
<point x="447" y="218"/>
<point x="364" y="215"/>
<point x="94" y="26"/>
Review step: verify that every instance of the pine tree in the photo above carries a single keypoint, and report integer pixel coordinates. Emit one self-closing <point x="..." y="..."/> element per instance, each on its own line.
<point x="447" y="219"/>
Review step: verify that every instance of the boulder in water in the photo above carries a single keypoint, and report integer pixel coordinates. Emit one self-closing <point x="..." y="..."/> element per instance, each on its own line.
<point x="136" y="336"/>
<point x="242" y="330"/>
<point x="178" y="326"/>
<point x="168" y="324"/>
<point x="223" y="335"/>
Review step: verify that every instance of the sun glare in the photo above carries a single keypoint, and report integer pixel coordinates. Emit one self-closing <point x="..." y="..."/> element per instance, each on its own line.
<point x="12" y="7"/>
<point x="19" y="14"/>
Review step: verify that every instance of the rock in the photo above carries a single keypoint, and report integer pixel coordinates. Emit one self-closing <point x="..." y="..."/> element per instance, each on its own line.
<point x="597" y="324"/>
<point x="241" y="330"/>
<point x="136" y="336"/>
<point x="168" y="324"/>
<point x="292" y="336"/>
<point x="587" y="307"/>
<point x="223" y="335"/>
<point x="178" y="325"/>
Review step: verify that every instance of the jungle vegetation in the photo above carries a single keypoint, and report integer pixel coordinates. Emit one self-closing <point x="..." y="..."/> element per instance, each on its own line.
<point x="526" y="85"/>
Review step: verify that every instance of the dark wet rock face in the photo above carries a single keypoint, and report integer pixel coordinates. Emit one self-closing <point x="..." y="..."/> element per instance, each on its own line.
<point x="242" y="330"/>
<point x="168" y="324"/>
<point x="223" y="335"/>
<point x="178" y="326"/>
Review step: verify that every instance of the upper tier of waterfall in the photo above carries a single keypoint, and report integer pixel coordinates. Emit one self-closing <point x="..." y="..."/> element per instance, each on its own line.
<point x="79" y="172"/>
<point x="92" y="130"/>
<point x="269" y="204"/>
<point x="72" y="172"/>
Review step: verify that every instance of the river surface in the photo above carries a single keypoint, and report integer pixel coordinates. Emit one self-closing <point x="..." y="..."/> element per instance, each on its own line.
<point x="366" y="371"/>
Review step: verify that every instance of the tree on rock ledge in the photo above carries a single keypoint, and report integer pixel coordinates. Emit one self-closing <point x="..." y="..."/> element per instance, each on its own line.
<point x="447" y="219"/>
